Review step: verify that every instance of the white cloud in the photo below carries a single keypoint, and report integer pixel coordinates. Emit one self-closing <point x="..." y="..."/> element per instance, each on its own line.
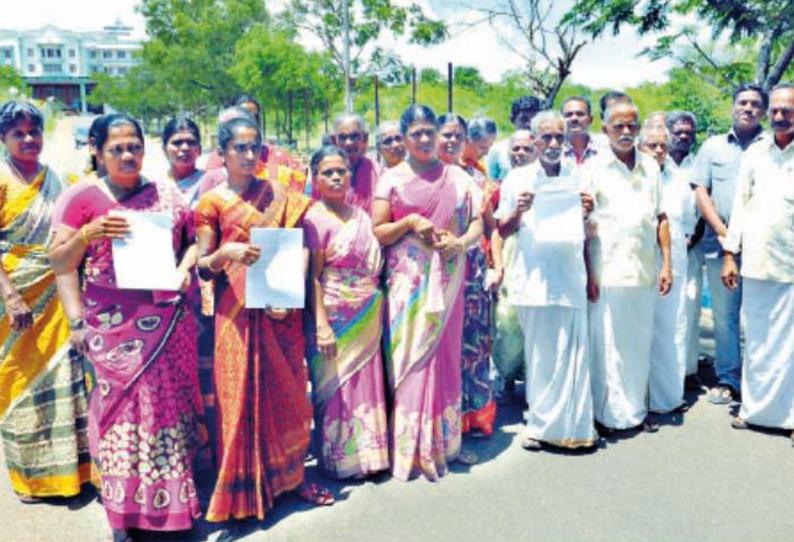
<point x="73" y="14"/>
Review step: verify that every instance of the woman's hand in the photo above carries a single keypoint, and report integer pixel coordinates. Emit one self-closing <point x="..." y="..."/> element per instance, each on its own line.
<point x="588" y="204"/>
<point x="19" y="312"/>
<point x="105" y="227"/>
<point x="78" y="339"/>
<point x="448" y="244"/>
<point x="423" y="228"/>
<point x="243" y="253"/>
<point x="494" y="279"/>
<point x="278" y="314"/>
<point x="326" y="341"/>
<point x="185" y="279"/>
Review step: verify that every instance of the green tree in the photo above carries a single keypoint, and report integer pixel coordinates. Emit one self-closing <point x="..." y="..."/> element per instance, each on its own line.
<point x="469" y="77"/>
<point x="11" y="78"/>
<point x="272" y="66"/>
<point x="767" y="24"/>
<point x="430" y="76"/>
<point x="192" y="44"/>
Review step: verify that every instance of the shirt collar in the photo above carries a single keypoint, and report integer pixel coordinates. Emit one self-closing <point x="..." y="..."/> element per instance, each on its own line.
<point x="733" y="138"/>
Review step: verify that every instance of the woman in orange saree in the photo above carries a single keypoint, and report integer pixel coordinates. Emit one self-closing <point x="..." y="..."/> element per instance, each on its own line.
<point x="260" y="376"/>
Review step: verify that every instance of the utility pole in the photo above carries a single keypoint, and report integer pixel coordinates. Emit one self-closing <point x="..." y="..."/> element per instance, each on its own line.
<point x="348" y="90"/>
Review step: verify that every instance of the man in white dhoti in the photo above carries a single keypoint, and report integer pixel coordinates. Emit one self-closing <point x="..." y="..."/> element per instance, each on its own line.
<point x="548" y="289"/>
<point x="762" y="228"/>
<point x="682" y="126"/>
<point x="670" y="322"/>
<point x="630" y="221"/>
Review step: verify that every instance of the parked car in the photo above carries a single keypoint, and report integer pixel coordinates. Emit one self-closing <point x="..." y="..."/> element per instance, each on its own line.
<point x="80" y="136"/>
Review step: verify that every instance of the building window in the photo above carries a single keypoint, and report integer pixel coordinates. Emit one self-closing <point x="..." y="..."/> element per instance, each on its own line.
<point x="30" y="53"/>
<point x="31" y="68"/>
<point x="72" y="53"/>
<point x="92" y="54"/>
<point x="122" y="71"/>
<point x="121" y="54"/>
<point x="94" y="68"/>
<point x="107" y="54"/>
<point x="8" y="53"/>
<point x="72" y="68"/>
<point x="52" y="68"/>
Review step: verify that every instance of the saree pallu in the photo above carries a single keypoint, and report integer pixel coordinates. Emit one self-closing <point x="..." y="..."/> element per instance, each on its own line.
<point x="424" y="359"/>
<point x="477" y="406"/>
<point x="264" y="414"/>
<point x="145" y="408"/>
<point x="348" y="391"/>
<point x="43" y="409"/>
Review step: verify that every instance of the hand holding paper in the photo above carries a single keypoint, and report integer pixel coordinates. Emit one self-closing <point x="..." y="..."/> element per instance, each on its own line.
<point x="144" y="259"/>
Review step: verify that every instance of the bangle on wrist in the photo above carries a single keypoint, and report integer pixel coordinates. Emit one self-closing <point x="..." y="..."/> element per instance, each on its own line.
<point x="84" y="235"/>
<point x="76" y="324"/>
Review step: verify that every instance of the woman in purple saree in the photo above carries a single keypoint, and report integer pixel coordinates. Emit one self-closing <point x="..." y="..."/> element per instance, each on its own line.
<point x="141" y="345"/>
<point x="423" y="213"/>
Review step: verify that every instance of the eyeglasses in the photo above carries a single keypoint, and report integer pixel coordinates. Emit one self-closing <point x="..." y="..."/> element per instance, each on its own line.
<point x="391" y="139"/>
<point x="242" y="148"/>
<point x="119" y="150"/>
<point x="354" y="137"/>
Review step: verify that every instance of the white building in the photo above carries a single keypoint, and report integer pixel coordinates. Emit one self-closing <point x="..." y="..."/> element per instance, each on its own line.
<point x="59" y="63"/>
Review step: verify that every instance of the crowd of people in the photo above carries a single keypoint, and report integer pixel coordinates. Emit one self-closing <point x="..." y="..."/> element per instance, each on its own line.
<point x="439" y="270"/>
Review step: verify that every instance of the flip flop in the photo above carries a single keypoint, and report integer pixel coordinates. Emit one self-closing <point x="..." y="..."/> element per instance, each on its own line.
<point x="467" y="457"/>
<point x="316" y="494"/>
<point x="738" y="423"/>
<point x="29" y="499"/>
<point x="722" y="395"/>
<point x="531" y="444"/>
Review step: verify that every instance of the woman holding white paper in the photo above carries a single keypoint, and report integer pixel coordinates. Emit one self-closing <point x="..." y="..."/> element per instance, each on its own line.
<point x="345" y="348"/>
<point x="260" y="374"/>
<point x="144" y="408"/>
<point x="425" y="214"/>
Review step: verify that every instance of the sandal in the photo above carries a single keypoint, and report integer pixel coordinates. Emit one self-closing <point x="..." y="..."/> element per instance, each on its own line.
<point x="531" y="444"/>
<point x="467" y="457"/>
<point x="29" y="499"/>
<point x="738" y="423"/>
<point x="650" y="425"/>
<point x="722" y="395"/>
<point x="316" y="494"/>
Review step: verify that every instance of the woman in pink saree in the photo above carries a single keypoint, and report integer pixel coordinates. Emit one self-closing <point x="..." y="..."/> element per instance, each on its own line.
<point x="141" y="345"/>
<point x="424" y="214"/>
<point x="345" y="342"/>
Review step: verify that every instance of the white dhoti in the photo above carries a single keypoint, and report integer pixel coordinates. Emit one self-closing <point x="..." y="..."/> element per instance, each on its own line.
<point x="621" y="333"/>
<point x="768" y="373"/>
<point x="669" y="348"/>
<point x="694" y="291"/>
<point x="558" y="388"/>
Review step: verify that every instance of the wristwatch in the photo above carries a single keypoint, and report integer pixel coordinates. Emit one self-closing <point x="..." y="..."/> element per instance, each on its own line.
<point x="76" y="324"/>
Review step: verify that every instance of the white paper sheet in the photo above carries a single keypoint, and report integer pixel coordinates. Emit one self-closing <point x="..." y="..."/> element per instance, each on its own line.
<point x="145" y="259"/>
<point x="550" y="263"/>
<point x="276" y="279"/>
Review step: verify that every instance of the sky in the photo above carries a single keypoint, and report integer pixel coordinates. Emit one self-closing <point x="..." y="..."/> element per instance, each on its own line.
<point x="608" y="62"/>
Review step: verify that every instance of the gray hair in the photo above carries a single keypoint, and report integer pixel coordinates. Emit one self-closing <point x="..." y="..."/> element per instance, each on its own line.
<point x="519" y="133"/>
<point x="647" y="130"/>
<point x="480" y="128"/>
<point x="234" y="112"/>
<point x="542" y="118"/>
<point x="350" y="117"/>
<point x="382" y="127"/>
<point x="611" y="108"/>
<point x="677" y="116"/>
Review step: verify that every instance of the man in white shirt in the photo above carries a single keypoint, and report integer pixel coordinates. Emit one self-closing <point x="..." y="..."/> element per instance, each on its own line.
<point x="670" y="325"/>
<point x="762" y="228"/>
<point x="714" y="174"/>
<point x="630" y="223"/>
<point x="682" y="126"/>
<point x="548" y="289"/>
